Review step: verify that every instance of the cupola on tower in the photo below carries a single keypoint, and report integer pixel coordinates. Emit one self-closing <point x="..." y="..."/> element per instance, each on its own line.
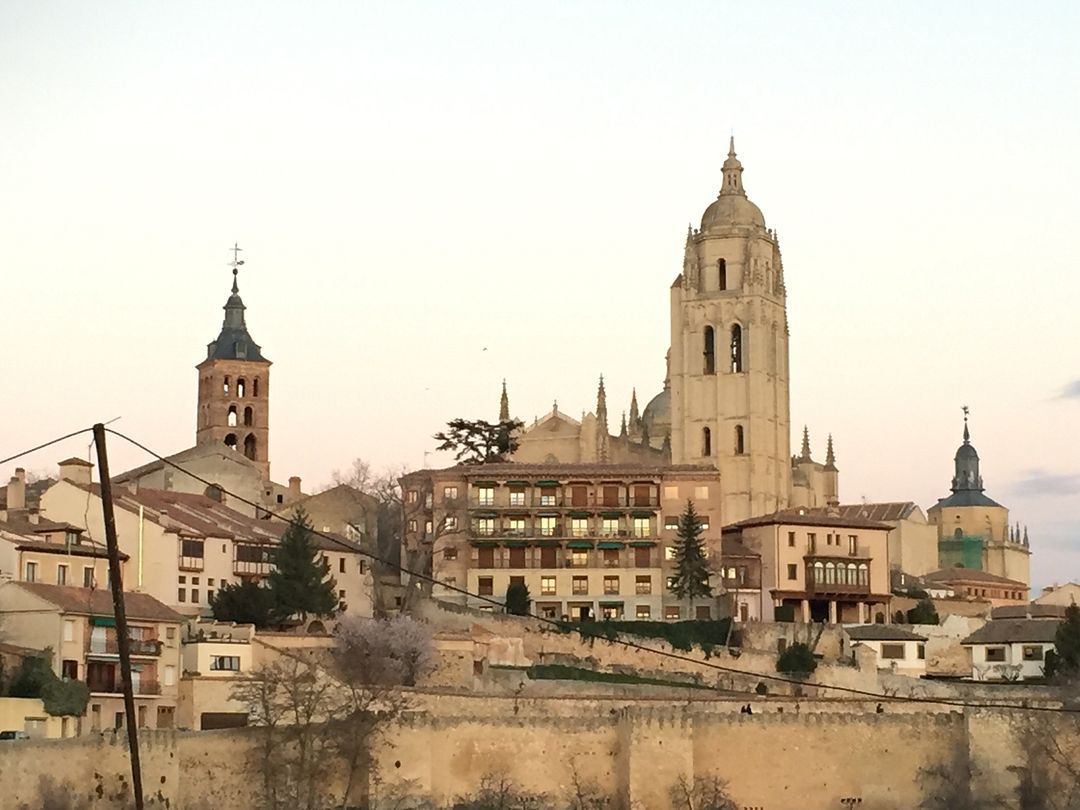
<point x="728" y="362"/>
<point x="234" y="387"/>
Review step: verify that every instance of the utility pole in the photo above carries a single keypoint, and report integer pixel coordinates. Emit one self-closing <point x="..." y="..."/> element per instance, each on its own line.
<point x="116" y="585"/>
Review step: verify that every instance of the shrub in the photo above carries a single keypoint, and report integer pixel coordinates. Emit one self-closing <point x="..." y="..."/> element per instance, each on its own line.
<point x="796" y="660"/>
<point x="518" y="599"/>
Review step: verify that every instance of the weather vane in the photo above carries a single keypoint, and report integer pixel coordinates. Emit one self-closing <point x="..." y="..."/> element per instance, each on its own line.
<point x="235" y="264"/>
<point x="964" y="408"/>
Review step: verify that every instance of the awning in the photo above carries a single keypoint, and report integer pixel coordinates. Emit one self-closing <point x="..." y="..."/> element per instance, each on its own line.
<point x="611" y="514"/>
<point x="611" y="604"/>
<point x="580" y="514"/>
<point x="610" y="544"/>
<point x="642" y="543"/>
<point x="484" y="484"/>
<point x="642" y="514"/>
<point x="517" y="483"/>
<point x="485" y="514"/>
<point x="516" y="544"/>
<point x="547" y="543"/>
<point x="579" y="544"/>
<point x="547" y="483"/>
<point x="478" y="542"/>
<point x="103" y="621"/>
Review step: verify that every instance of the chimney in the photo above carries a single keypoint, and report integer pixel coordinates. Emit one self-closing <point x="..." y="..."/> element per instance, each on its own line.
<point x="294" y="488"/>
<point x="76" y="471"/>
<point x="16" y="491"/>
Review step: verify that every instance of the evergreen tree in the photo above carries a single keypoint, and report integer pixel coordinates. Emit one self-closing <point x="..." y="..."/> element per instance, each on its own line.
<point x="518" y="599"/>
<point x="247" y="602"/>
<point x="924" y="612"/>
<point x="691" y="580"/>
<point x="1066" y="659"/>
<point x="300" y="583"/>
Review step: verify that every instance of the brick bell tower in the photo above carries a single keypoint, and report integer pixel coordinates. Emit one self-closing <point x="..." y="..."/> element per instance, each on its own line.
<point x="234" y="387"/>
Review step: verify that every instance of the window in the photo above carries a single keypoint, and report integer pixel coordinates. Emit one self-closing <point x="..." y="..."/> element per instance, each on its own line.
<point x="485" y="527"/>
<point x="811" y="541"/>
<point x="428" y="497"/>
<point x="194" y="595"/>
<point x="642" y="612"/>
<point x="411" y="525"/>
<point x="671" y="493"/>
<point x="547" y="496"/>
<point x="249" y="446"/>
<point x="69" y="629"/>
<point x="230" y="419"/>
<point x="791" y="539"/>
<point x="485" y="495"/>
<point x="643" y="585"/>
<point x="670" y="582"/>
<point x="611" y="496"/>
<point x="225" y="386"/>
<point x="88" y="576"/>
<point x="579" y="558"/>
<point x="737" y="350"/>
<point x="579" y="527"/>
<point x="721" y="266"/>
<point x="224" y="663"/>
<point x="547" y="586"/>
<point x="611" y="611"/>
<point x="412" y="496"/>
<point x="703" y="522"/>
<point x="194" y="580"/>
<point x="31" y="572"/>
<point x="69" y="670"/>
<point x="669" y="553"/>
<point x="449" y="553"/>
<point x="892" y="652"/>
<point x="706" y="442"/>
<point x="449" y="493"/>
<point x="241" y="387"/>
<point x="517" y="558"/>
<point x="181" y="594"/>
<point x="1033" y="652"/>
<point x="209" y="595"/>
<point x="515" y="527"/>
<point x="701" y="493"/>
<point x="672" y="612"/>
<point x="486" y="557"/>
<point x="249" y="416"/>
<point x="547" y="558"/>
<point x="548" y="526"/>
<point x="920" y="652"/>
<point x="255" y="387"/>
<point x="740" y="443"/>
<point x="210" y="580"/>
<point x="609" y="527"/>
<point x="671" y="523"/>
<point x="792" y="571"/>
<point x="61" y="574"/>
<point x="341" y="568"/>
<point x="995" y="654"/>
<point x="517" y="496"/>
<point x="450" y="523"/>
<point x="485" y="586"/>
<point x="709" y="351"/>
<point x="642" y="557"/>
<point x="702" y="612"/>
<point x="170" y="673"/>
<point x="853" y="544"/>
<point x="170" y="632"/>
<point x="450" y="581"/>
<point x="579" y="496"/>
<point x="642" y="527"/>
<point x="579" y="586"/>
<point x="610" y="557"/>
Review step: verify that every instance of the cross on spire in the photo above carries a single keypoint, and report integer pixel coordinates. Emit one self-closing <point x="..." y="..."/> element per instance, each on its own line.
<point x="967" y="435"/>
<point x="235" y="265"/>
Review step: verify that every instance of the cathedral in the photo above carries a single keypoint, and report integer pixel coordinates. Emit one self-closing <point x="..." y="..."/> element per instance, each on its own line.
<point x="725" y="401"/>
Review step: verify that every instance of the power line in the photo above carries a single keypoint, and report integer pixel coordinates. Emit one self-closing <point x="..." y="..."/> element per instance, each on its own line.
<point x="876" y="696"/>
<point x="44" y="445"/>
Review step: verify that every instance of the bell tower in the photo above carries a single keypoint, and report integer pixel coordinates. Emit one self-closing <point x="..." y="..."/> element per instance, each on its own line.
<point x="728" y="363"/>
<point x="234" y="386"/>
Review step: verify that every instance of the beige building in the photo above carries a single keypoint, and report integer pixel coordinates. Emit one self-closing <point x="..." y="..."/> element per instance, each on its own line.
<point x="587" y="541"/>
<point x="972" y="584"/>
<point x="897" y="649"/>
<point x="819" y="567"/>
<point x="1064" y="595"/>
<point x="39" y="550"/>
<point x="79" y="626"/>
<point x="913" y="541"/>
<point x="182" y="547"/>
<point x="973" y="529"/>
<point x="725" y="401"/>
<point x="216" y="657"/>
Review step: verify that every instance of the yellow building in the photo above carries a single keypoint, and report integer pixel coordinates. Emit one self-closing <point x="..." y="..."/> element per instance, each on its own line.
<point x="973" y="529"/>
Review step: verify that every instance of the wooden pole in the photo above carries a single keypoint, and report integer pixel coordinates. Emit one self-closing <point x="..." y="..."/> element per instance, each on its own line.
<point x="116" y="584"/>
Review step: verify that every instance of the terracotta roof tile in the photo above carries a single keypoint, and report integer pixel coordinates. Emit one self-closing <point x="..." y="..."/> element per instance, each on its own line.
<point x="98" y="602"/>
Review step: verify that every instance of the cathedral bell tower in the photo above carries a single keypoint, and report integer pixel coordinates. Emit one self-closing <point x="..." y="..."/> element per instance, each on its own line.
<point x="234" y="387"/>
<point x="728" y="363"/>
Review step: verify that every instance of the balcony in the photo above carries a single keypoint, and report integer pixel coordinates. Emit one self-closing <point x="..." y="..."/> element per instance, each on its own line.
<point x="115" y="686"/>
<point x="110" y="645"/>
<point x="191" y="564"/>
<point x="245" y="568"/>
<point x="822" y="579"/>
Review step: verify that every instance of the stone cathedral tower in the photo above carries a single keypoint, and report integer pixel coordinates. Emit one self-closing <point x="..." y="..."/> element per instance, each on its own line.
<point x="728" y="363"/>
<point x="234" y="388"/>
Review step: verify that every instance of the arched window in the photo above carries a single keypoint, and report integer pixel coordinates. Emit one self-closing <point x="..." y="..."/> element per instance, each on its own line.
<point x="864" y="574"/>
<point x="958" y="533"/>
<point x="230" y="441"/>
<point x="241" y="387"/>
<point x="830" y="574"/>
<point x="852" y="574"/>
<point x="710" y="350"/>
<point x="819" y="572"/>
<point x="249" y="446"/>
<point x="740" y="441"/>
<point x="255" y="387"/>
<point x="231" y="418"/>
<point x="737" y="353"/>
<point x="706" y="442"/>
<point x="249" y="416"/>
<point x="722" y="267"/>
<point x="225" y="387"/>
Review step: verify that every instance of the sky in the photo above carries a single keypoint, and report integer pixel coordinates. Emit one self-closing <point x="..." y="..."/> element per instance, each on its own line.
<point x="432" y="197"/>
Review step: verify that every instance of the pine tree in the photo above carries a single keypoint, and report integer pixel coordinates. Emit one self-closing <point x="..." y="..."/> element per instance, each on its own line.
<point x="300" y="583"/>
<point x="691" y="580"/>
<point x="247" y="602"/>
<point x="1066" y="659"/>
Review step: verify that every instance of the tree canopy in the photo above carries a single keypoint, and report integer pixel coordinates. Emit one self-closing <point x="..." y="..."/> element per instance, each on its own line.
<point x="300" y="582"/>
<point x="480" y="442"/>
<point x="796" y="660"/>
<point x="1065" y="661"/>
<point x="246" y="602"/>
<point x="518" y="599"/>
<point x="924" y="612"/>
<point x="691" y="580"/>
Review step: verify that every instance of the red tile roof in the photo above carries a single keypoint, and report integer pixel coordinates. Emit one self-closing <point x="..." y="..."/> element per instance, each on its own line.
<point x="98" y="602"/>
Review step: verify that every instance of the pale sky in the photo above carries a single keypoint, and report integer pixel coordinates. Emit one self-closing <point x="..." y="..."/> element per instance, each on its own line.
<point x="434" y="196"/>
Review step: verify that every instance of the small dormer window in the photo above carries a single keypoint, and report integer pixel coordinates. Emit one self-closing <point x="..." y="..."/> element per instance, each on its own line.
<point x="71" y="538"/>
<point x="240" y="349"/>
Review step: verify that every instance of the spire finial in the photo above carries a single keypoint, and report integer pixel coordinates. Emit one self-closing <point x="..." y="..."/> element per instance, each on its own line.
<point x="235" y="265"/>
<point x="967" y="434"/>
<point x="622" y="430"/>
<point x="830" y="457"/>
<point x="732" y="172"/>
<point x="805" y="454"/>
<point x="504" y="404"/>
<point x="731" y="146"/>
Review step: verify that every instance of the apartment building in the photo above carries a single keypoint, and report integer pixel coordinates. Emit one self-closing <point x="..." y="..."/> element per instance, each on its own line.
<point x="38" y="550"/>
<point x="818" y="566"/>
<point x="182" y="547"/>
<point x="588" y="541"/>
<point x="79" y="626"/>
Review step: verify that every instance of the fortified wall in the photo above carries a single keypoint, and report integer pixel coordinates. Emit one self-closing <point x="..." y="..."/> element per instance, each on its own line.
<point x="788" y="754"/>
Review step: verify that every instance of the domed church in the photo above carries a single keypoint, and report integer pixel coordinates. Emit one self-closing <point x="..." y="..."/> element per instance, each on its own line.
<point x="725" y="401"/>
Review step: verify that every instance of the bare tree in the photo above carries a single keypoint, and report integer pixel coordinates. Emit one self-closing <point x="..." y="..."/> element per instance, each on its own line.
<point x="321" y="714"/>
<point x="498" y="792"/>
<point x="703" y="793"/>
<point x="1049" y="779"/>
